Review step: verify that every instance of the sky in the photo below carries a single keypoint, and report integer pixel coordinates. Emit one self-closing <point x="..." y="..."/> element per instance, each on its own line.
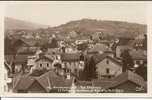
<point x="60" y="12"/>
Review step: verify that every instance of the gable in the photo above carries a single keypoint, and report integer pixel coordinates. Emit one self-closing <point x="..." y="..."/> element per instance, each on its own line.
<point x="36" y="88"/>
<point x="108" y="62"/>
<point x="44" y="58"/>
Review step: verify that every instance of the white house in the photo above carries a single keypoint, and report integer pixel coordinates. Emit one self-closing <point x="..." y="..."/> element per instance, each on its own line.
<point x="108" y="67"/>
<point x="43" y="62"/>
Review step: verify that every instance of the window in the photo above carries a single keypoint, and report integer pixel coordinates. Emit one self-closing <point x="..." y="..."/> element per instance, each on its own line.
<point x="107" y="70"/>
<point x="68" y="70"/>
<point x="137" y="62"/>
<point x="107" y="61"/>
<point x="40" y="65"/>
<point x="47" y="64"/>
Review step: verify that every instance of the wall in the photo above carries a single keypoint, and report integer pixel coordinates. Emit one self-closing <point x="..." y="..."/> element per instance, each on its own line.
<point x="44" y="64"/>
<point x="114" y="69"/>
<point x="18" y="68"/>
<point x="72" y="65"/>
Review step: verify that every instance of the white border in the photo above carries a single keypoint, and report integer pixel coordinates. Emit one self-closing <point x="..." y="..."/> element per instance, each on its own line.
<point x="149" y="94"/>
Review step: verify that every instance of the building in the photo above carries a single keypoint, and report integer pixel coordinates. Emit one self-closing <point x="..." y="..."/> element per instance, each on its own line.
<point x="120" y="49"/>
<point x="43" y="62"/>
<point x="72" y="62"/>
<point x="107" y="67"/>
<point x="49" y="82"/>
<point x="129" y="82"/>
<point x="139" y="56"/>
<point x="99" y="48"/>
<point x="27" y="84"/>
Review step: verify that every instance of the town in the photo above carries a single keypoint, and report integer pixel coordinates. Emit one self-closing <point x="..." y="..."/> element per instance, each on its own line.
<point x="96" y="63"/>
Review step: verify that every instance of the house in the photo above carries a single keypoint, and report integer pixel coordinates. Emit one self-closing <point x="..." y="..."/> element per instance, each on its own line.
<point x="107" y="67"/>
<point x="49" y="82"/>
<point x="120" y="49"/>
<point x="129" y="82"/>
<point x="70" y="50"/>
<point x="99" y="48"/>
<point x="139" y="56"/>
<point x="43" y="62"/>
<point x="27" y="84"/>
<point x="72" y="62"/>
<point x="139" y="43"/>
<point x="54" y="83"/>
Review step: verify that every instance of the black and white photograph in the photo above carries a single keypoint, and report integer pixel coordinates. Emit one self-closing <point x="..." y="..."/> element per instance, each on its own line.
<point x="75" y="47"/>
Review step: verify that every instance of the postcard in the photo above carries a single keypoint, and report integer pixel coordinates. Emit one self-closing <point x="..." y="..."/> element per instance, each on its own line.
<point x="76" y="49"/>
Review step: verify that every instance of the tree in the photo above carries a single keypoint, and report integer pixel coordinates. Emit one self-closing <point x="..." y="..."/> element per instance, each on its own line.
<point x="14" y="47"/>
<point x="90" y="70"/>
<point x="127" y="60"/>
<point x="54" y="43"/>
<point x="142" y="71"/>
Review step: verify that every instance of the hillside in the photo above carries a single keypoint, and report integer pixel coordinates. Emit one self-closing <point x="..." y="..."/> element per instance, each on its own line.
<point x="15" y="24"/>
<point x="80" y="28"/>
<point x="112" y="28"/>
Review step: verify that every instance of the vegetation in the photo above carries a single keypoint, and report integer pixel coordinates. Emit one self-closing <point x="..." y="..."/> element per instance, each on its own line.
<point x="127" y="60"/>
<point x="90" y="70"/>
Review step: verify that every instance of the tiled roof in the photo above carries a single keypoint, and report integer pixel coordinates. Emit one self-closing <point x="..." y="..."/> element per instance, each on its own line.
<point x="47" y="81"/>
<point x="136" y="41"/>
<point x="54" y="80"/>
<point x="44" y="57"/>
<point x="105" y="84"/>
<point x="84" y="83"/>
<point x="128" y="76"/>
<point x="99" y="47"/>
<point x="124" y="47"/>
<point x="53" y="50"/>
<point x="70" y="57"/>
<point x="121" y="79"/>
<point x="138" y="54"/>
<point x="23" y="82"/>
<point x="18" y="58"/>
<point x="21" y="58"/>
<point x="27" y="50"/>
<point x="98" y="58"/>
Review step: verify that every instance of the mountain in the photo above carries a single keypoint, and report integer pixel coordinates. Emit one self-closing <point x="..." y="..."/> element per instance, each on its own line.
<point x="80" y="29"/>
<point x="15" y="24"/>
<point x="106" y="27"/>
